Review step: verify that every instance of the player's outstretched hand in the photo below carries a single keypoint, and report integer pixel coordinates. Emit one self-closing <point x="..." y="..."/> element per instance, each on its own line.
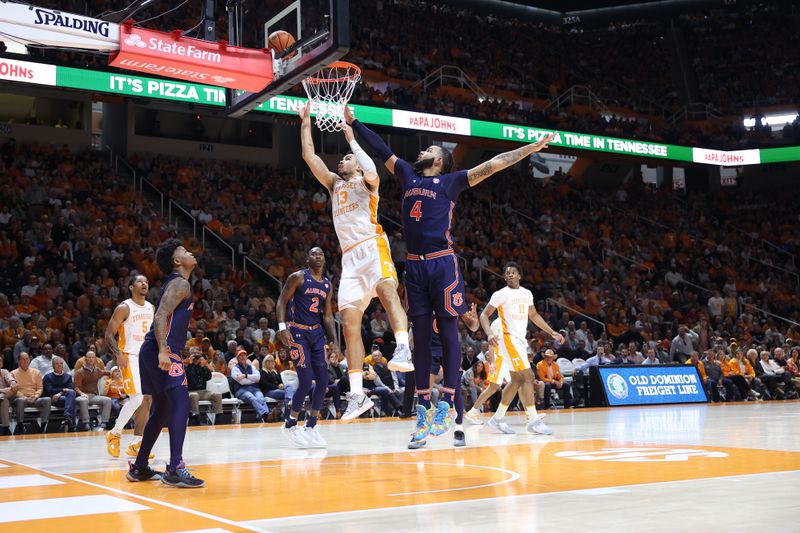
<point x="471" y="318"/>
<point x="559" y="337"/>
<point x="304" y="111"/>
<point x="348" y="133"/>
<point x="542" y="144"/>
<point x="349" y="117"/>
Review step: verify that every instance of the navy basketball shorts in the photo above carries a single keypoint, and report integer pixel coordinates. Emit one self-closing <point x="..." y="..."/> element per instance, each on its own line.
<point x="435" y="286"/>
<point x="154" y="380"/>
<point x="307" y="346"/>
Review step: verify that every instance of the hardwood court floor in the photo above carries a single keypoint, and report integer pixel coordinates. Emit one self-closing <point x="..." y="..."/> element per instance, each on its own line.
<point x="733" y="467"/>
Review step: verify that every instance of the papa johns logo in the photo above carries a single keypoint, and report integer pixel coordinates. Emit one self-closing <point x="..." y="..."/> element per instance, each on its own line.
<point x="617" y="386"/>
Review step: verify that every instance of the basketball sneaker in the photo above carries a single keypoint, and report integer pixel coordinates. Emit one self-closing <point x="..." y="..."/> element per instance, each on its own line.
<point x="538" y="427"/>
<point x="112" y="444"/>
<point x="313" y="438"/>
<point x="472" y="418"/>
<point x="459" y="439"/>
<point x="416" y="444"/>
<point x="181" y="478"/>
<point x="501" y="425"/>
<point x="443" y="419"/>
<point x="136" y="474"/>
<point x="295" y="436"/>
<point x="357" y="404"/>
<point x="423" y="428"/>
<point x="133" y="450"/>
<point x="401" y="359"/>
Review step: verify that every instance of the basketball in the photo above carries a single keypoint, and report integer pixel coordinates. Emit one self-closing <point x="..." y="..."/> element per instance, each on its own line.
<point x="281" y="40"/>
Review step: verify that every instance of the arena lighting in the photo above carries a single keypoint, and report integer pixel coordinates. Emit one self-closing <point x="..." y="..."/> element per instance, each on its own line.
<point x="772" y="120"/>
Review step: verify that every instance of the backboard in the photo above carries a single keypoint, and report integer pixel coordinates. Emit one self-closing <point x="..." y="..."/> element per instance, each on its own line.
<point x="322" y="30"/>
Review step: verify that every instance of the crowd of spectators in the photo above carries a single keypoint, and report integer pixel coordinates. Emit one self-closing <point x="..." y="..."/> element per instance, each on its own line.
<point x="626" y="65"/>
<point x="635" y="264"/>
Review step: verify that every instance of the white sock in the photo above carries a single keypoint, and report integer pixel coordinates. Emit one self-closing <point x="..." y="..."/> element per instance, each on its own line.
<point x="356" y="381"/>
<point x="126" y="413"/>
<point x="501" y="411"/>
<point x="401" y="337"/>
<point x="474" y="412"/>
<point x="459" y="427"/>
<point x="137" y="439"/>
<point x="532" y="416"/>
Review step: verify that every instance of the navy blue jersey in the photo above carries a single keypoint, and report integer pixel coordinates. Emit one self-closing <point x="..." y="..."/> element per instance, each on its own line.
<point x="177" y="323"/>
<point x="428" y="205"/>
<point x="308" y="303"/>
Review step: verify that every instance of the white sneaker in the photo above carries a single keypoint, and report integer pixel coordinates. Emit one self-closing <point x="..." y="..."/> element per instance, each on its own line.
<point x="313" y="437"/>
<point x="295" y="436"/>
<point x="501" y="425"/>
<point x="538" y="427"/>
<point x="401" y="359"/>
<point x="473" y="419"/>
<point x="357" y="404"/>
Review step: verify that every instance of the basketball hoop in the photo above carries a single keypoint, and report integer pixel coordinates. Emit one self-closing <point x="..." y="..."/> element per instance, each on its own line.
<point x="328" y="92"/>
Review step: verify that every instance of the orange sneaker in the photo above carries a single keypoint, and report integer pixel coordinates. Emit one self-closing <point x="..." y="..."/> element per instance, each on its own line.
<point x="133" y="450"/>
<point x="112" y="444"/>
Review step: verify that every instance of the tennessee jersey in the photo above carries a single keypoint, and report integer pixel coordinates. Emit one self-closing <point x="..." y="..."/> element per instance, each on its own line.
<point x="355" y="212"/>
<point x="512" y="307"/>
<point x="135" y="327"/>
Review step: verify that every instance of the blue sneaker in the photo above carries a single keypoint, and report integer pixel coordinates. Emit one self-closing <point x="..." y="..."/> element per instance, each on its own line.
<point x="443" y="419"/>
<point x="424" y="419"/>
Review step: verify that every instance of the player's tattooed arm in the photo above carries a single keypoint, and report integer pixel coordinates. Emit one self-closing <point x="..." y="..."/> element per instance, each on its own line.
<point x="176" y="292"/>
<point x="479" y="173"/>
<point x="314" y="162"/>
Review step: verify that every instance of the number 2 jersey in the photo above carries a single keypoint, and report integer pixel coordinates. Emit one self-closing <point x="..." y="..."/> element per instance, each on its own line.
<point x="308" y="302"/>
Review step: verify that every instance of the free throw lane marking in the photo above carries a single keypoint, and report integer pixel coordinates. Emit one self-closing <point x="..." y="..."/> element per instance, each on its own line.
<point x="29" y="480"/>
<point x="63" y="507"/>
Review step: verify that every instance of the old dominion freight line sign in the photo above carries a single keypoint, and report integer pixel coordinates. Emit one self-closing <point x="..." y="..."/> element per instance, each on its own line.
<point x="179" y="91"/>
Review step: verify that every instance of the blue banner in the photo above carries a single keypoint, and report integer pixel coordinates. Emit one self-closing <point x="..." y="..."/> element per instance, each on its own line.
<point x="652" y="384"/>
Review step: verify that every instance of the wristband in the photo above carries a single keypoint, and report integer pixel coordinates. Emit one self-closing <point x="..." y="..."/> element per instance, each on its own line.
<point x="281" y="326"/>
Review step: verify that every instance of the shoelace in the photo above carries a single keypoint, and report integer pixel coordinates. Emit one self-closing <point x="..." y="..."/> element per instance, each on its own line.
<point x="440" y="416"/>
<point x="422" y="418"/>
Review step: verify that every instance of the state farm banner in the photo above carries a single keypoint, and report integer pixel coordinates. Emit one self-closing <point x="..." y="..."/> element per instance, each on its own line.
<point x="175" y="56"/>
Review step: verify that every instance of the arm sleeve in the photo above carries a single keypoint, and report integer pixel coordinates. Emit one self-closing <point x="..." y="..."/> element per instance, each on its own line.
<point x="373" y="141"/>
<point x="456" y="183"/>
<point x="362" y="158"/>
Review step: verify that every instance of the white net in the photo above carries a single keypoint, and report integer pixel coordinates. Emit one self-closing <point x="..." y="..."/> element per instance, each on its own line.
<point x="329" y="90"/>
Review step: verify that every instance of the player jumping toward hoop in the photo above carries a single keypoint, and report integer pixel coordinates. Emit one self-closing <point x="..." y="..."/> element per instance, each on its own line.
<point x="367" y="266"/>
<point x="433" y="279"/>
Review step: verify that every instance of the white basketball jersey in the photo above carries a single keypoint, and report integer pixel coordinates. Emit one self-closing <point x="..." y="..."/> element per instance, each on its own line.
<point x="512" y="306"/>
<point x="136" y="326"/>
<point x="355" y="212"/>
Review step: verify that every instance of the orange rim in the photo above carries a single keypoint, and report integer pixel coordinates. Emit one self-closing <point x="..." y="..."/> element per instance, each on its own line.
<point x="355" y="72"/>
